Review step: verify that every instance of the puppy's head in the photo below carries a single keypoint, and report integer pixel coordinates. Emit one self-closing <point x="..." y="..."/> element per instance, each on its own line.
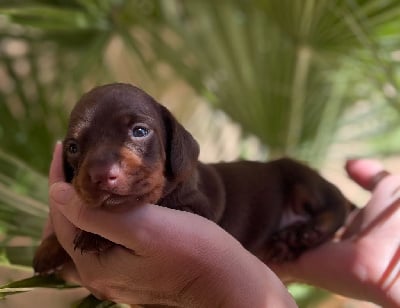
<point x="122" y="147"/>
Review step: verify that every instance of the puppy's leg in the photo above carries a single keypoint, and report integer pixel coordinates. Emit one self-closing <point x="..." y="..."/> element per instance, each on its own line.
<point x="91" y="243"/>
<point x="50" y="256"/>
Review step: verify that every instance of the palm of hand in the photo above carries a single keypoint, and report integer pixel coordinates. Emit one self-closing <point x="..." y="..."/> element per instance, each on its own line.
<point x="374" y="239"/>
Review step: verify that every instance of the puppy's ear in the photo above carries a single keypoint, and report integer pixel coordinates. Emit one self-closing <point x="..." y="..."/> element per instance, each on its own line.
<point x="182" y="150"/>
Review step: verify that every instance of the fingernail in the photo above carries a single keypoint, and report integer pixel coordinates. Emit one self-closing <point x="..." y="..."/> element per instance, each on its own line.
<point x="353" y="159"/>
<point x="61" y="193"/>
<point x="57" y="144"/>
<point x="374" y="181"/>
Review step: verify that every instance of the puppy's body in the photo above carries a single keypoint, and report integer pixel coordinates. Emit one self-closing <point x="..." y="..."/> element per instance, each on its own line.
<point x="259" y="202"/>
<point x="123" y="148"/>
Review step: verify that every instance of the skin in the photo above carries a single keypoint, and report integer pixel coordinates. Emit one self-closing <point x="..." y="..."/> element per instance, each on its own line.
<point x="178" y="258"/>
<point x="166" y="256"/>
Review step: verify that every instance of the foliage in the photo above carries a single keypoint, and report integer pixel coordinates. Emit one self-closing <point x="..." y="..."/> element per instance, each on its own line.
<point x="28" y="284"/>
<point x="284" y="71"/>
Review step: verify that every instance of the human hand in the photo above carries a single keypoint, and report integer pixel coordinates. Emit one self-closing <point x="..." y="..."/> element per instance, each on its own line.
<point x="164" y="256"/>
<point x="365" y="264"/>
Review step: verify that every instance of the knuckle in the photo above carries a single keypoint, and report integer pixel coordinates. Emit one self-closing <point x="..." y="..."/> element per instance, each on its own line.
<point x="90" y="280"/>
<point x="102" y="289"/>
<point x="96" y="287"/>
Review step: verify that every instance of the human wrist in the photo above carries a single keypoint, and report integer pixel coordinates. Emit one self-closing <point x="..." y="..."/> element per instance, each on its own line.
<point x="239" y="280"/>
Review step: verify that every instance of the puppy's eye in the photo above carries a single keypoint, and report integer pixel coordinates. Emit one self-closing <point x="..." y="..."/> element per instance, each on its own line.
<point x="72" y="148"/>
<point x="140" y="131"/>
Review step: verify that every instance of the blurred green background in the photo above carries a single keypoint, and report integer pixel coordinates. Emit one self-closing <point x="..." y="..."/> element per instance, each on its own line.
<point x="314" y="79"/>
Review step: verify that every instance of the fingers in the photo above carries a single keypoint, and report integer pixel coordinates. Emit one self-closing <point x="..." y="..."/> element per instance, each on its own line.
<point x="115" y="226"/>
<point x="66" y="233"/>
<point x="48" y="228"/>
<point x="63" y="228"/>
<point x="69" y="273"/>
<point x="382" y="208"/>
<point x="366" y="172"/>
<point x="56" y="173"/>
<point x="135" y="227"/>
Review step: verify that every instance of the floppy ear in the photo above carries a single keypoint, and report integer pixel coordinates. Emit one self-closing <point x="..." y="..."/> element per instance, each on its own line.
<point x="182" y="150"/>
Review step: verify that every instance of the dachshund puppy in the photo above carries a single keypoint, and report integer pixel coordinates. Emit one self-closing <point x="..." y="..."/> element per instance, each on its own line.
<point x="124" y="148"/>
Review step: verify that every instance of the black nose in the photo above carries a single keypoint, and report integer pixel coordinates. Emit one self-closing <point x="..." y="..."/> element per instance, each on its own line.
<point x="105" y="177"/>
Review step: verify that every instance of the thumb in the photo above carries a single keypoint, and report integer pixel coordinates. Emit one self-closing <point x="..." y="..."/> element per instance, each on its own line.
<point x="56" y="173"/>
<point x="62" y="194"/>
<point x="135" y="227"/>
<point x="365" y="172"/>
<point x="112" y="225"/>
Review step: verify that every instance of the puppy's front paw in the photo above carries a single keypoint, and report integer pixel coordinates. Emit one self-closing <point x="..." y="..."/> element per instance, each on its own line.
<point x="290" y="242"/>
<point x="92" y="243"/>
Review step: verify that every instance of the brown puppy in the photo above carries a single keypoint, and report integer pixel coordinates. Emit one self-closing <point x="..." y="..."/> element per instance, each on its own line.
<point x="124" y="148"/>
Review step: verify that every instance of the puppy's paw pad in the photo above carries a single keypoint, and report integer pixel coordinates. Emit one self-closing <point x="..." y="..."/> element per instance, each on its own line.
<point x="277" y="252"/>
<point x="310" y="237"/>
<point x="290" y="242"/>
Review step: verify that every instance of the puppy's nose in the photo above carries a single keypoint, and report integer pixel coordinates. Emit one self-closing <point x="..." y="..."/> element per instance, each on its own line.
<point x="105" y="177"/>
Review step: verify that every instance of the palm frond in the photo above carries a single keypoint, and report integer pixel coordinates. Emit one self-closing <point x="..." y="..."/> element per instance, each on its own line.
<point x="272" y="67"/>
<point x="23" y="198"/>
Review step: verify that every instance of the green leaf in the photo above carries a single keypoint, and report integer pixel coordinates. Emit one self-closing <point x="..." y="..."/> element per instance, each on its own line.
<point x="19" y="255"/>
<point x="38" y="281"/>
<point x="29" y="284"/>
<point x="307" y="296"/>
<point x="92" y="302"/>
<point x="48" y="17"/>
<point x="3" y="258"/>
<point x="4" y="292"/>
